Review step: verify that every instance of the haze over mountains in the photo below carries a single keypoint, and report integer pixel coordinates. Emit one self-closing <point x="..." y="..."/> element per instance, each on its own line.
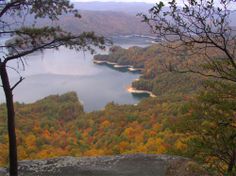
<point x="104" y="18"/>
<point x="109" y="18"/>
<point x="117" y="18"/>
<point x="105" y="23"/>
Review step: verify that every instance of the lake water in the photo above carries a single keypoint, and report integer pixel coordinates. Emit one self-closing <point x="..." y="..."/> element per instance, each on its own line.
<point x="64" y="70"/>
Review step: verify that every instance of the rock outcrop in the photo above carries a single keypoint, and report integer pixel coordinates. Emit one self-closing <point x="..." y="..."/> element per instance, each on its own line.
<point x="121" y="165"/>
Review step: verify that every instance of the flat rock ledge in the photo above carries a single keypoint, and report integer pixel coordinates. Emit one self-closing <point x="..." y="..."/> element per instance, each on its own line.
<point x="120" y="165"/>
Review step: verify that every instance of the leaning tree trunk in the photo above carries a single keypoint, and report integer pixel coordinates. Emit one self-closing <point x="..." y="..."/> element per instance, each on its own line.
<point x="10" y="120"/>
<point x="232" y="162"/>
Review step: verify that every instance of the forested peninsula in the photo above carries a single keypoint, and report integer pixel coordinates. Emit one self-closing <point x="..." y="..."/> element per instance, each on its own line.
<point x="155" y="77"/>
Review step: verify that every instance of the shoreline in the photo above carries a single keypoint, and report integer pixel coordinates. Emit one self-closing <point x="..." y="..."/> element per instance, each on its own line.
<point x="115" y="65"/>
<point x="131" y="89"/>
<point x="103" y="62"/>
<point x="130" y="68"/>
<point x="122" y="66"/>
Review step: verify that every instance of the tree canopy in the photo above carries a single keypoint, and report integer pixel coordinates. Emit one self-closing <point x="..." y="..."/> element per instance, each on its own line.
<point x="201" y="28"/>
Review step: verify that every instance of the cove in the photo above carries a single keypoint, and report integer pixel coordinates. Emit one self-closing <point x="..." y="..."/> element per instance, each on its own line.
<point x="60" y="71"/>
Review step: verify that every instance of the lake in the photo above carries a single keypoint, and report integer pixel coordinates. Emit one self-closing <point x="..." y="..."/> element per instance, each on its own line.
<point x="64" y="70"/>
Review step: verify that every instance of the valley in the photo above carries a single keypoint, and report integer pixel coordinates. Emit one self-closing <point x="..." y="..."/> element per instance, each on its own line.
<point x="93" y="89"/>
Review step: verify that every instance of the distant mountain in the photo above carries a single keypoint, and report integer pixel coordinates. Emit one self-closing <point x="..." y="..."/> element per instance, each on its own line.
<point x="106" y="23"/>
<point x="127" y="7"/>
<point x="108" y="18"/>
<point x="104" y="18"/>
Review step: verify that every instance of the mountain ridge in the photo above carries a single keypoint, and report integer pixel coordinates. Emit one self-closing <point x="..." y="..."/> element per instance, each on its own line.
<point x="106" y="23"/>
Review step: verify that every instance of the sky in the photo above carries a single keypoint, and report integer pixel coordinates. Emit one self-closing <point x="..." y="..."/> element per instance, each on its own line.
<point x="232" y="6"/>
<point x="147" y="1"/>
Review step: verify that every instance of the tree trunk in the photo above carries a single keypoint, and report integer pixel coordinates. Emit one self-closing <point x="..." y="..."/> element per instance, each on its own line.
<point x="10" y="120"/>
<point x="232" y="162"/>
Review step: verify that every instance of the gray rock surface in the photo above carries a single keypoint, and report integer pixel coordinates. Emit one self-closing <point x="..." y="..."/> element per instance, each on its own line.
<point x="2" y="171"/>
<point x="121" y="165"/>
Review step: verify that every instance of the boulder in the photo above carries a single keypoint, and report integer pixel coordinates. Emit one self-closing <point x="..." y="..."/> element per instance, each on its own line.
<point x="120" y="165"/>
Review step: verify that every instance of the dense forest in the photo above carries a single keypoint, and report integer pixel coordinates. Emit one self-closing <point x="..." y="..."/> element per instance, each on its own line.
<point x="58" y="126"/>
<point x="155" y="77"/>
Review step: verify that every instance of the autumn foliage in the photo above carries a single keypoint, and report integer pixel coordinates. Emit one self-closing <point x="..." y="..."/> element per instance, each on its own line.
<point x="57" y="126"/>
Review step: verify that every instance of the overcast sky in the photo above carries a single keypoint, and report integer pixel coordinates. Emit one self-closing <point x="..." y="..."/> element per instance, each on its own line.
<point x="147" y="1"/>
<point x="232" y="5"/>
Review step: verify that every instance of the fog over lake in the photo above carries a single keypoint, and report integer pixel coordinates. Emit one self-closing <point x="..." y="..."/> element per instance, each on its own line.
<point x="64" y="70"/>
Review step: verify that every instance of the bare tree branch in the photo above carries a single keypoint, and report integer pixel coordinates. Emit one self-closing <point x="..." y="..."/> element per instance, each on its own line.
<point x="17" y="83"/>
<point x="197" y="27"/>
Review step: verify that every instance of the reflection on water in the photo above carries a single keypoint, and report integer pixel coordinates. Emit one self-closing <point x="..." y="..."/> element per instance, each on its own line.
<point x="64" y="70"/>
<point x="139" y="96"/>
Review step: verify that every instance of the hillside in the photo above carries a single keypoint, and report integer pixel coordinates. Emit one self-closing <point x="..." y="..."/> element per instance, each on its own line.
<point x="105" y="23"/>
<point x="104" y="18"/>
<point x="155" y="77"/>
<point x="57" y="126"/>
